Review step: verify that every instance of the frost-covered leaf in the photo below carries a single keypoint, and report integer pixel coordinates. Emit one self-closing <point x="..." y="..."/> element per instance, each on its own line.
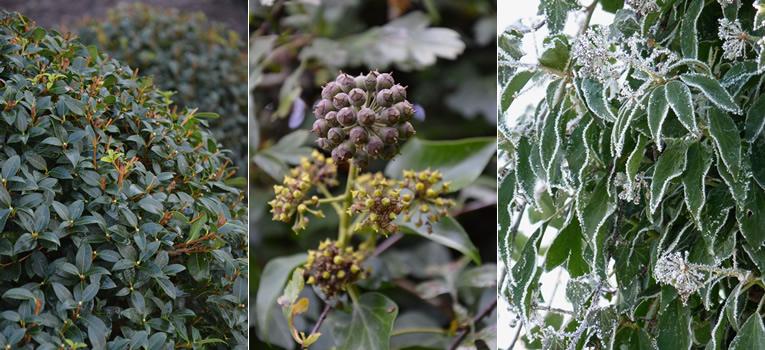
<point x="724" y="132"/>
<point x="579" y="291"/>
<point x="505" y="196"/>
<point x="689" y="42"/>
<point x="525" y="177"/>
<point x="751" y="217"/>
<point x="556" y="54"/>
<point x="525" y="275"/>
<point x="680" y="99"/>
<point x="623" y="124"/>
<point x="595" y="97"/>
<point x="675" y="327"/>
<point x="751" y="335"/>
<point x="658" y="108"/>
<point x="699" y="160"/>
<point x="757" y="159"/>
<point x="671" y="164"/>
<point x="516" y="84"/>
<point x="712" y="89"/>
<point x="568" y="239"/>
<point x="759" y="16"/>
<point x="715" y="213"/>
<point x="556" y="12"/>
<point x="755" y="119"/>
<point x="596" y="209"/>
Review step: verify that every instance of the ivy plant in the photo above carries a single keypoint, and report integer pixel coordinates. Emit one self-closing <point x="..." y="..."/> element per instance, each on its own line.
<point x="352" y="277"/>
<point x="118" y="229"/>
<point x="642" y="165"/>
<point x="201" y="61"/>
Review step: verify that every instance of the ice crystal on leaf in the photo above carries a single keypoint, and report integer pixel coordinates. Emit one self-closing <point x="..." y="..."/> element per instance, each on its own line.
<point x="733" y="37"/>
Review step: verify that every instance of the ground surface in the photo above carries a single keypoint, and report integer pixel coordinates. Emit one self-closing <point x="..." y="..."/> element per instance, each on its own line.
<point x="62" y="14"/>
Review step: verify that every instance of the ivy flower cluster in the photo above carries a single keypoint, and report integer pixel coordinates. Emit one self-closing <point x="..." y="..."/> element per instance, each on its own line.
<point x="292" y="195"/>
<point x="379" y="201"/>
<point x="734" y="38"/>
<point x="428" y="190"/>
<point x="363" y="118"/>
<point x="332" y="268"/>
<point x="643" y="6"/>
<point x="675" y="270"/>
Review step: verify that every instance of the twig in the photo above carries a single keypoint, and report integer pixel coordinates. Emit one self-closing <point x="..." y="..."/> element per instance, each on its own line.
<point x="516" y="336"/>
<point x="387" y="243"/>
<point x="485" y="312"/>
<point x="321" y="319"/>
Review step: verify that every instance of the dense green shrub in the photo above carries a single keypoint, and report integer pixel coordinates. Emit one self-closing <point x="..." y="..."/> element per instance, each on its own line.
<point x="202" y="61"/>
<point x="116" y="228"/>
<point x="644" y="164"/>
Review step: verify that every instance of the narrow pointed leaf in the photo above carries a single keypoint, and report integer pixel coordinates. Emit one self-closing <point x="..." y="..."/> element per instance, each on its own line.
<point x="680" y="99"/>
<point x="670" y="165"/>
<point x="712" y="89"/>
<point x="658" y="108"/>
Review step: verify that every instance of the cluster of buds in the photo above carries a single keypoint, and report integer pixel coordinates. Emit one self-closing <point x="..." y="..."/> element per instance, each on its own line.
<point x="292" y="195"/>
<point x="332" y="268"/>
<point x="643" y="6"/>
<point x="427" y="190"/>
<point x="363" y="118"/>
<point x="379" y="201"/>
<point x="734" y="38"/>
<point x="675" y="270"/>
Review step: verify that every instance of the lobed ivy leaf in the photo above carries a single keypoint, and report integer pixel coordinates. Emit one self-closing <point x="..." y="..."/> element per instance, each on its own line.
<point x="369" y="325"/>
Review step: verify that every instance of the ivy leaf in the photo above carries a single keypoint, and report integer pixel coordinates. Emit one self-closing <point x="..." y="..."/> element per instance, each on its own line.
<point x="504" y="198"/>
<point x="448" y="232"/>
<point x="595" y="96"/>
<point x="556" y="12"/>
<point x="460" y="161"/>
<point x="513" y="87"/>
<point x="699" y="161"/>
<point x="755" y="119"/>
<point x="751" y="335"/>
<point x="751" y="217"/>
<point x="370" y="324"/>
<point x="757" y="158"/>
<point x="712" y="89"/>
<point x="524" y="172"/>
<point x="671" y="164"/>
<point x="689" y="43"/>
<point x="658" y="108"/>
<point x="18" y="294"/>
<point x="675" y="327"/>
<point x="680" y="99"/>
<point x="596" y="209"/>
<point x="525" y="275"/>
<point x="271" y="325"/>
<point x="568" y="239"/>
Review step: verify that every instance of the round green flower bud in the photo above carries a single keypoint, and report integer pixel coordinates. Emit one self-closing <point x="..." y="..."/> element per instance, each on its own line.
<point x="341" y="100"/>
<point x="346" y="116"/>
<point x="358" y="135"/>
<point x="384" y="81"/>
<point x="346" y="82"/>
<point x="358" y="97"/>
<point x="336" y="135"/>
<point x="366" y="117"/>
<point x="330" y="90"/>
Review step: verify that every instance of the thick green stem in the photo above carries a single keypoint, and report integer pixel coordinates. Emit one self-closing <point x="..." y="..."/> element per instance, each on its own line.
<point x="415" y="330"/>
<point x="344" y="233"/>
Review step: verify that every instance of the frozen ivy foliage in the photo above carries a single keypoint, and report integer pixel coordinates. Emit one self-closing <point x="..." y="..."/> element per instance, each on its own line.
<point x="117" y="227"/>
<point x="644" y="165"/>
<point x="201" y="61"/>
